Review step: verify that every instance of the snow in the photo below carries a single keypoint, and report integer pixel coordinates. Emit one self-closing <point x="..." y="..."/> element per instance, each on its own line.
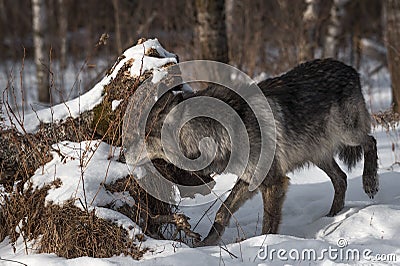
<point x="158" y="75"/>
<point x="73" y="108"/>
<point x="369" y="43"/>
<point x="95" y="163"/>
<point x="89" y="161"/>
<point x="370" y="227"/>
<point x="143" y="63"/>
<point x="224" y="182"/>
<point x="115" y="104"/>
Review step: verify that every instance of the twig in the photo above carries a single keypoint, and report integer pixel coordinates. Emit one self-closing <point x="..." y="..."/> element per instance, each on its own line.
<point x="14" y="261"/>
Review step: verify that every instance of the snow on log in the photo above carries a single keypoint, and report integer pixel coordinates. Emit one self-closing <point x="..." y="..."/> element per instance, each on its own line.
<point x="26" y="142"/>
<point x="131" y="68"/>
<point x="55" y="161"/>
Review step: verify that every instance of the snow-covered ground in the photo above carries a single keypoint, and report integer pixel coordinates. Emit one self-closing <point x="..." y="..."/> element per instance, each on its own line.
<point x="366" y="231"/>
<point x="365" y="225"/>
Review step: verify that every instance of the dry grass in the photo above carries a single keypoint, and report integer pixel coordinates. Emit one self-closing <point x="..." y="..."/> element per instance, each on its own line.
<point x="83" y="235"/>
<point x="388" y="119"/>
<point x="145" y="207"/>
<point x="64" y="230"/>
<point x="67" y="230"/>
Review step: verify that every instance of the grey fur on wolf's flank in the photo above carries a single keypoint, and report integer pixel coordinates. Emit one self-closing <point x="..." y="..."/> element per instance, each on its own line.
<point x="319" y="112"/>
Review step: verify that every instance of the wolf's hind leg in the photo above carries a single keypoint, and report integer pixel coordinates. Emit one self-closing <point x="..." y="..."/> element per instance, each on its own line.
<point x="339" y="181"/>
<point x="370" y="173"/>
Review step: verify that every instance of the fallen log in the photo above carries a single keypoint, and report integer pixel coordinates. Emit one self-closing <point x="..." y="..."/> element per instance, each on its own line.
<point x="30" y="142"/>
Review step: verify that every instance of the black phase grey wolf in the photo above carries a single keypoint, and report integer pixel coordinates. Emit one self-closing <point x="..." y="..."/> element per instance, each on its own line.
<point x="319" y="113"/>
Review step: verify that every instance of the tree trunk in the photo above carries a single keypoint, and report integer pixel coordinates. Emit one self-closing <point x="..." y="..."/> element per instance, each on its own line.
<point x="117" y="26"/>
<point x="3" y="14"/>
<point x="63" y="27"/>
<point x="307" y="41"/>
<point x="211" y="29"/>
<point x="337" y="13"/>
<point x="39" y="24"/>
<point x="253" y="37"/>
<point x="229" y="21"/>
<point x="392" y="10"/>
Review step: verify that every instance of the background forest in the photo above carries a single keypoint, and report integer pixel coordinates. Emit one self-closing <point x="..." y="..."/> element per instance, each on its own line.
<point x="75" y="41"/>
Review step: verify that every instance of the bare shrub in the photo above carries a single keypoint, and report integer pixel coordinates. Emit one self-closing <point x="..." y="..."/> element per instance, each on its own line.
<point x="388" y="119"/>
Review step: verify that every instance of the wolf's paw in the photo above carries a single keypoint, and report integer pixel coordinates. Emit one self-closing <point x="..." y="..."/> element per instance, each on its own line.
<point x="371" y="185"/>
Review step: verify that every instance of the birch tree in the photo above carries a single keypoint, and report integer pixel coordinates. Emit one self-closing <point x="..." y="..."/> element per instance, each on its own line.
<point x="41" y="52"/>
<point x="335" y="27"/>
<point x="392" y="14"/>
<point x="62" y="27"/>
<point x="211" y="30"/>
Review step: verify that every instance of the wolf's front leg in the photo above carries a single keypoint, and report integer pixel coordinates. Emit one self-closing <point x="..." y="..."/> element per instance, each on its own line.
<point x="273" y="197"/>
<point x="238" y="196"/>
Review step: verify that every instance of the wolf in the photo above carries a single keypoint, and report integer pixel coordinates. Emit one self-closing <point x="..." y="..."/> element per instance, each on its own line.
<point x="319" y="113"/>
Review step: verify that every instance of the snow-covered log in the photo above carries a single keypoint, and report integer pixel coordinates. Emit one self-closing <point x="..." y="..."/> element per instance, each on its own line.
<point x="68" y="155"/>
<point x="26" y="141"/>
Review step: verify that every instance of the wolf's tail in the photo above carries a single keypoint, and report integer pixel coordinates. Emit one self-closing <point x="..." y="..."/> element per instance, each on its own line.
<point x="350" y="155"/>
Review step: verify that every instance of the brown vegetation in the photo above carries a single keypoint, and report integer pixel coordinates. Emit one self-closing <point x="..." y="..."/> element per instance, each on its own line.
<point x="68" y="230"/>
<point x="64" y="230"/>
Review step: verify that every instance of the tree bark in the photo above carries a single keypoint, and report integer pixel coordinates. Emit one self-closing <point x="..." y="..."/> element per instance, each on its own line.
<point x="3" y="14"/>
<point x="331" y="45"/>
<point x="211" y="29"/>
<point x="63" y="27"/>
<point x="392" y="10"/>
<point x="117" y="26"/>
<point x="307" y="41"/>
<point x="229" y="21"/>
<point x="39" y="24"/>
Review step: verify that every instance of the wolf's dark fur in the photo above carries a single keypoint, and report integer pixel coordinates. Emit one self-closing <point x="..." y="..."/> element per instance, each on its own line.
<point x="319" y="112"/>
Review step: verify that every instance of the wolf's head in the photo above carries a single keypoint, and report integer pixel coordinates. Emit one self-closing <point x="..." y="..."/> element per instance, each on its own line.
<point x="144" y="145"/>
